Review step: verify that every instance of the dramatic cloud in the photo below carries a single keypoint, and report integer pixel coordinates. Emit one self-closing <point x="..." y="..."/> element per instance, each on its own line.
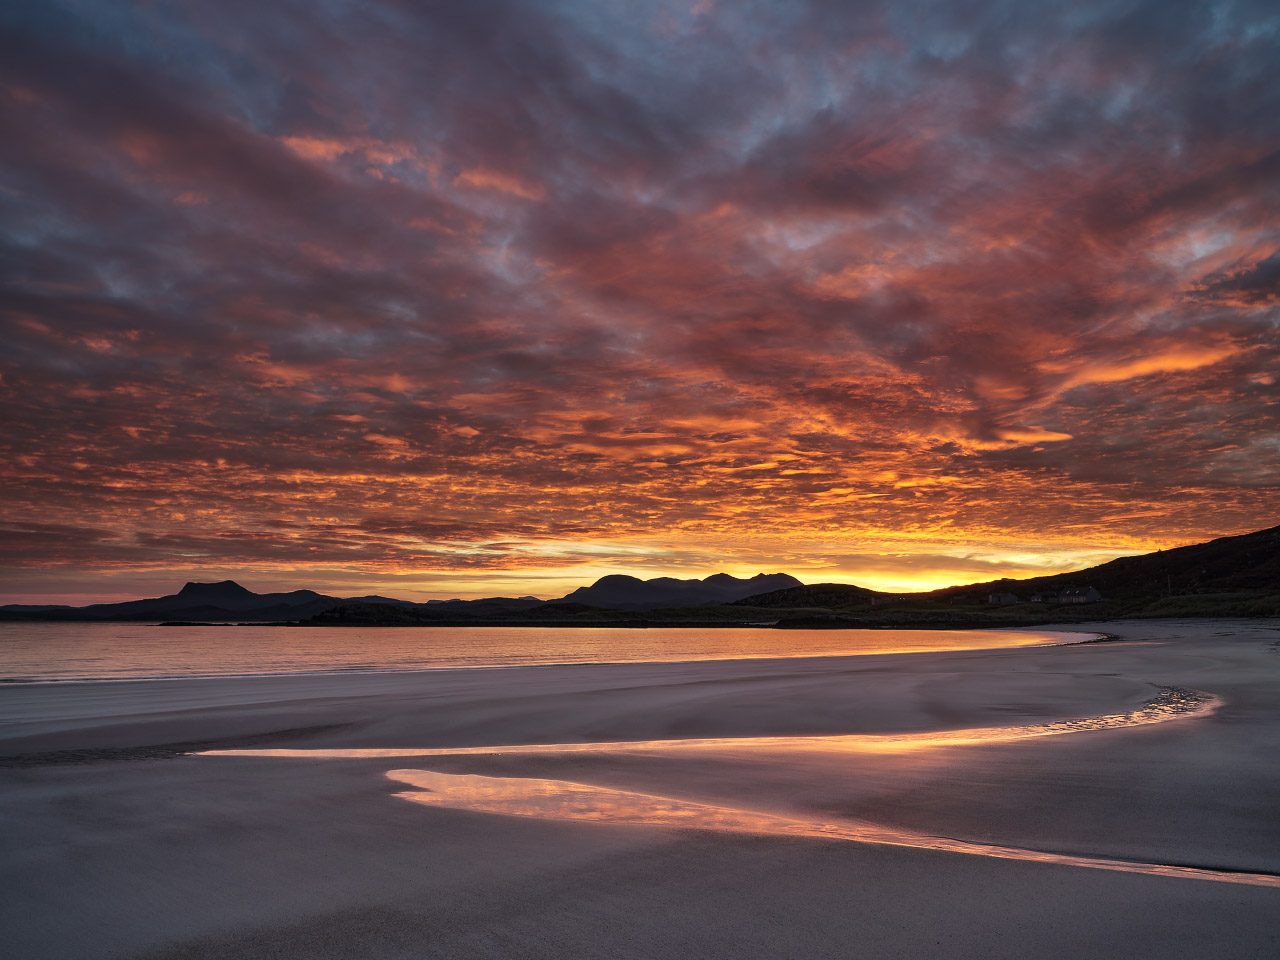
<point x="499" y="296"/>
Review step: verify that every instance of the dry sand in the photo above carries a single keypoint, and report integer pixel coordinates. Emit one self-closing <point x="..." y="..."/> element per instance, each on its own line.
<point x="117" y="846"/>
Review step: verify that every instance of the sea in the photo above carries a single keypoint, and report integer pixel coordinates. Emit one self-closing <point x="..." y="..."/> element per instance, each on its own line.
<point x="67" y="652"/>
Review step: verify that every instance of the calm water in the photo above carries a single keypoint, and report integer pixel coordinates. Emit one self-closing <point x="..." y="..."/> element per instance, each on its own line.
<point x="113" y="651"/>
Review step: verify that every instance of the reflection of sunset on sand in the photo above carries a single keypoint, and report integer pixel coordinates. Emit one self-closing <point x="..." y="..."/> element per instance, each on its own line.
<point x="565" y="800"/>
<point x="562" y="800"/>
<point x="1169" y="704"/>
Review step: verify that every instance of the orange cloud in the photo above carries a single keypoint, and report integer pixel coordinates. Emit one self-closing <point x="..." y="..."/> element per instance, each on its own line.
<point x="1173" y="360"/>
<point x="483" y="178"/>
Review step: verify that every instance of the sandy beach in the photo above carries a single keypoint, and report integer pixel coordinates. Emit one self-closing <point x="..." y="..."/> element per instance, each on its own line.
<point x="131" y="833"/>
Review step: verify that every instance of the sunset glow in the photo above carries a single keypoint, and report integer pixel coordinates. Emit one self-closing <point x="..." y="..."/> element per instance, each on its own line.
<point x="497" y="298"/>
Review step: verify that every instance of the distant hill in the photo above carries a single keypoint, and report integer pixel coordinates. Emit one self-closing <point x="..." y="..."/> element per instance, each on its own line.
<point x="1230" y="576"/>
<point x="813" y="595"/>
<point x="1249" y="563"/>
<point x="224" y="600"/>
<point x="630" y="593"/>
<point x="229" y="595"/>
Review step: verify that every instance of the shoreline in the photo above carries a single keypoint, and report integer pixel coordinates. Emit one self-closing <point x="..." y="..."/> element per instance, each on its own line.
<point x="7" y="682"/>
<point x="792" y="620"/>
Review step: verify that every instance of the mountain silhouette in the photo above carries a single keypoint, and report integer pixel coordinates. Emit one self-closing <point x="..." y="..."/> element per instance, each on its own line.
<point x="229" y="595"/>
<point x="199" y="602"/>
<point x="209" y="592"/>
<point x="621" y="592"/>
<point x="224" y="600"/>
<point x="1230" y="576"/>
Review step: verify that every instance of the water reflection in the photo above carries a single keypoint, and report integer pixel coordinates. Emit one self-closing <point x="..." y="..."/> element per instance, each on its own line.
<point x="565" y="800"/>
<point x="1172" y="703"/>
<point x="36" y="652"/>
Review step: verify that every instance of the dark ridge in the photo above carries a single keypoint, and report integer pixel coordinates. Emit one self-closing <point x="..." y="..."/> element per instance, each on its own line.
<point x="1244" y="564"/>
<point x="813" y="595"/>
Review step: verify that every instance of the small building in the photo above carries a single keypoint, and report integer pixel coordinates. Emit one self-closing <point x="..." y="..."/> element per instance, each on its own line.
<point x="1045" y="596"/>
<point x="1002" y="599"/>
<point x="1079" y="595"/>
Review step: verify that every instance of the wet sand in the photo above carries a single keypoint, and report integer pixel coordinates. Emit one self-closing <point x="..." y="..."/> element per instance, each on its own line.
<point x="120" y="846"/>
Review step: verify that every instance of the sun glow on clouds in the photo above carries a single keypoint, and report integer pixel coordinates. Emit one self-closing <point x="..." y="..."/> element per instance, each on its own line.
<point x="478" y="301"/>
<point x="484" y="179"/>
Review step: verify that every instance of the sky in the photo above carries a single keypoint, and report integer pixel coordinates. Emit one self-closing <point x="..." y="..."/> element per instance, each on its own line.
<point x="494" y="298"/>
